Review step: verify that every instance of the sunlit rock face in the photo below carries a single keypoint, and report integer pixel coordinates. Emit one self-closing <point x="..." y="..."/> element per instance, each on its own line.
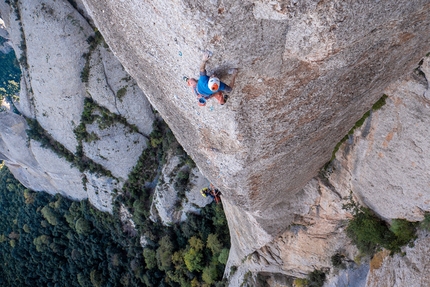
<point x="63" y="63"/>
<point x="308" y="70"/>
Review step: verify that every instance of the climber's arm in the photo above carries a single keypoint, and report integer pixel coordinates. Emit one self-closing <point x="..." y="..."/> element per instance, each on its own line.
<point x="203" y="64"/>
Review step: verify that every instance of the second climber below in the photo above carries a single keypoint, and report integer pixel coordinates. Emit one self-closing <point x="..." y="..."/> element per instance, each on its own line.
<point x="207" y="87"/>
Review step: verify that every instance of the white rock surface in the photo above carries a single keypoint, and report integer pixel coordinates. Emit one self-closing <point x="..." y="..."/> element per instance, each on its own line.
<point x="169" y="207"/>
<point x="194" y="199"/>
<point x="36" y="167"/>
<point x="5" y="47"/>
<point x="411" y="269"/>
<point x="117" y="148"/>
<point x="386" y="163"/>
<point x="100" y="191"/>
<point x="51" y="29"/>
<point x="107" y="78"/>
<point x="55" y="41"/>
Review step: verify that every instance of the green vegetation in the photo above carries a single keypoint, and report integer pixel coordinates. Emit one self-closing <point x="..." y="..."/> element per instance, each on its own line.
<point x="48" y="240"/>
<point x="10" y="75"/>
<point x="370" y="233"/>
<point x="121" y="92"/>
<point x="93" y="41"/>
<point x="338" y="261"/>
<point x="315" y="279"/>
<point x="188" y="254"/>
<point x="379" y="104"/>
<point x="136" y="192"/>
<point x="104" y="118"/>
<point x="36" y="132"/>
<point x="425" y="224"/>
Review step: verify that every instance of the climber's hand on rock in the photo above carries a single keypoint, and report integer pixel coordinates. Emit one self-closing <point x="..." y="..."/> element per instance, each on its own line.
<point x="206" y="56"/>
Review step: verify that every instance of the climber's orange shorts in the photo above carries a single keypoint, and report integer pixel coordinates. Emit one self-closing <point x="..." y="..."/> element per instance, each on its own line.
<point x="218" y="95"/>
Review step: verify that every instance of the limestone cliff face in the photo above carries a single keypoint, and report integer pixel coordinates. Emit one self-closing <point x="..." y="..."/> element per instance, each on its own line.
<point x="308" y="72"/>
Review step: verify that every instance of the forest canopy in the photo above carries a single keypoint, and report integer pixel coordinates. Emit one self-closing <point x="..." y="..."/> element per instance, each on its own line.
<point x="48" y="240"/>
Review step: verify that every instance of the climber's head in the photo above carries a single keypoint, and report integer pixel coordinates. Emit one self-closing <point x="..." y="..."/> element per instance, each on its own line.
<point x="213" y="83"/>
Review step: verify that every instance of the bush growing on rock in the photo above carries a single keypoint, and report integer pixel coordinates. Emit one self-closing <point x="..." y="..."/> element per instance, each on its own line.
<point x="370" y="233"/>
<point x="316" y="278"/>
<point x="425" y="224"/>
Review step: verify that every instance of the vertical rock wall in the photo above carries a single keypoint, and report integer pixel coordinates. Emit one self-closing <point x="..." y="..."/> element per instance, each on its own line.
<point x="56" y="46"/>
<point x="308" y="72"/>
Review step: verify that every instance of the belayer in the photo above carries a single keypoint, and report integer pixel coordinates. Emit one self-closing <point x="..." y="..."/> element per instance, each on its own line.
<point x="207" y="87"/>
<point x="212" y="192"/>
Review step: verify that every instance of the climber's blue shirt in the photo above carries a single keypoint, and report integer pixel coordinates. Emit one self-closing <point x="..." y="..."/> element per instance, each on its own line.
<point x="203" y="89"/>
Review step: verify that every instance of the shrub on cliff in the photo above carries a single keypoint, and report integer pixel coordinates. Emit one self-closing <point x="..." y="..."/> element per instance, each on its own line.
<point x="369" y="233"/>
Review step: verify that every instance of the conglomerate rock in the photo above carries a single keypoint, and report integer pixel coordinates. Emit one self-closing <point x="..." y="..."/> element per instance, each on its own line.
<point x="385" y="163"/>
<point x="34" y="166"/>
<point x="308" y="70"/>
<point x="64" y="61"/>
<point x="384" y="166"/>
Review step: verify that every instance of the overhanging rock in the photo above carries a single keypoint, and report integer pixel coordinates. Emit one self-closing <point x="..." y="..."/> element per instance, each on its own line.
<point x="308" y="71"/>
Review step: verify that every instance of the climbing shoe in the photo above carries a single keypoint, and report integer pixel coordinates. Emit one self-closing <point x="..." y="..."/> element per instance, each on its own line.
<point x="225" y="98"/>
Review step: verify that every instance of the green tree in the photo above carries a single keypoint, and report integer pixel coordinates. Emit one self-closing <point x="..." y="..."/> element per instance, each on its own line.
<point x="150" y="258"/>
<point x="164" y="253"/>
<point x="49" y="215"/>
<point x="41" y="242"/>
<point x="82" y="280"/>
<point x="223" y="256"/>
<point x="83" y="226"/>
<point x="193" y="257"/>
<point x="96" y="278"/>
<point x="367" y="231"/>
<point x="210" y="274"/>
<point x="405" y="232"/>
<point x="26" y="228"/>
<point x="12" y="243"/>
<point x="214" y="244"/>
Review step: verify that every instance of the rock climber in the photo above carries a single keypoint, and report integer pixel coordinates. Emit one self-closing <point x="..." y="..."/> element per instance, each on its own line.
<point x="212" y="192"/>
<point x="207" y="87"/>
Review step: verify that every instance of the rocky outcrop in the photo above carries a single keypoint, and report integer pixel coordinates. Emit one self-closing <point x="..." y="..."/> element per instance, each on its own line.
<point x="308" y="72"/>
<point x="408" y="269"/>
<point x="36" y="167"/>
<point x="385" y="163"/>
<point x="65" y="61"/>
<point x="5" y="45"/>
<point x="167" y="205"/>
<point x="316" y="233"/>
<point x="384" y="167"/>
